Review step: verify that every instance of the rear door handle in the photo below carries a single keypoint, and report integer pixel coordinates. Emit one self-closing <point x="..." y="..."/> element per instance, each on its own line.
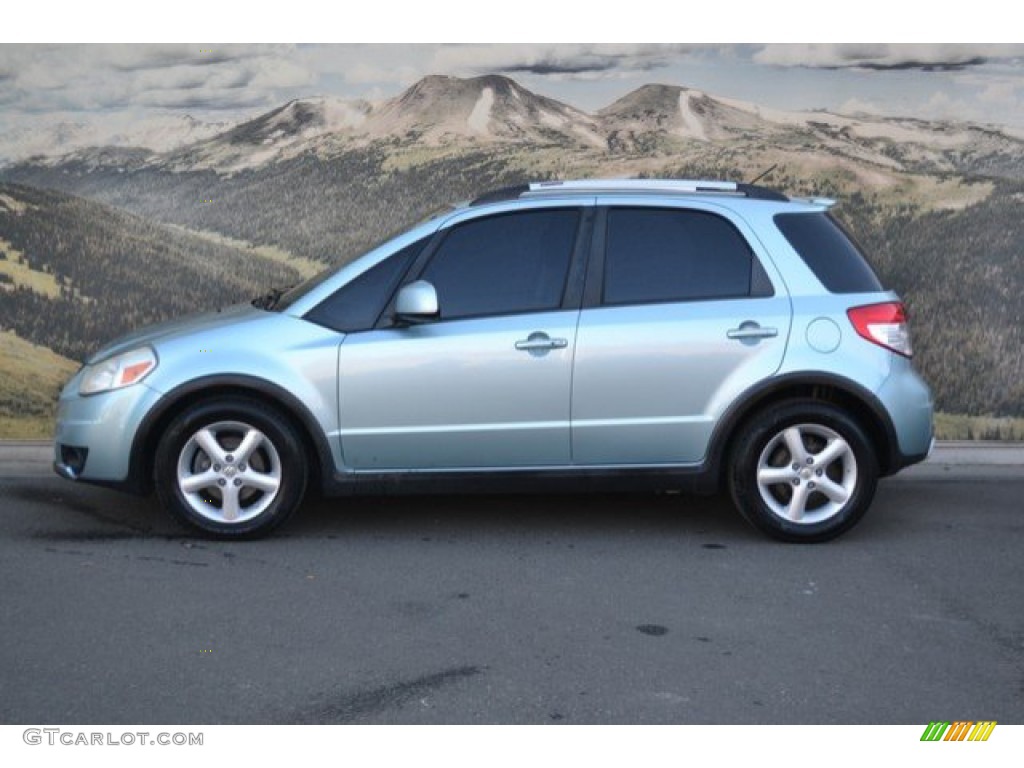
<point x="540" y="342"/>
<point x="749" y="330"/>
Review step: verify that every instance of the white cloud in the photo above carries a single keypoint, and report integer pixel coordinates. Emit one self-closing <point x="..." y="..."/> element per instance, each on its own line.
<point x="360" y="65"/>
<point x="565" y="59"/>
<point x="401" y="65"/>
<point x="941" y="106"/>
<point x="98" y="77"/>
<point x="999" y="93"/>
<point x="855" y="105"/>
<point x="370" y="72"/>
<point x="935" y="56"/>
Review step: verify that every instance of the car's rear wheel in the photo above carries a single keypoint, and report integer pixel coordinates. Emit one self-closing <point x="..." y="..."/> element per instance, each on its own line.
<point x="803" y="471"/>
<point x="231" y="467"/>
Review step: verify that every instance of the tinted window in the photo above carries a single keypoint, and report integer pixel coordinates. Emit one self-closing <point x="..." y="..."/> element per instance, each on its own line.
<point x="504" y="264"/>
<point x="672" y="255"/>
<point x="296" y="292"/>
<point x="357" y="305"/>
<point x="829" y="252"/>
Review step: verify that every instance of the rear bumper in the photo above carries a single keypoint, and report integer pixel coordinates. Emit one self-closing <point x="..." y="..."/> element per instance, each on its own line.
<point x="908" y="401"/>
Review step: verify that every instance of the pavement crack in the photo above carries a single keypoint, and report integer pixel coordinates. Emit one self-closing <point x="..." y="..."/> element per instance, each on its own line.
<point x="64" y="536"/>
<point x="357" y="705"/>
<point x="155" y="559"/>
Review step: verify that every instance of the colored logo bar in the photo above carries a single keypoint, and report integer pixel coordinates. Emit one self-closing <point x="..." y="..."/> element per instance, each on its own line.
<point x="960" y="730"/>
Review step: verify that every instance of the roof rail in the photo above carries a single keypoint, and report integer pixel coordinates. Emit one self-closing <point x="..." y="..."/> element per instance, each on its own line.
<point x="633" y="185"/>
<point x="501" y="195"/>
<point x="761" y="193"/>
<point x="678" y="186"/>
<point x="828" y="202"/>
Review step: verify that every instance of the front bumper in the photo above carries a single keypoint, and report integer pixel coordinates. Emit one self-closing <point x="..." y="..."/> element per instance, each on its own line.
<point x="70" y="460"/>
<point x="94" y="434"/>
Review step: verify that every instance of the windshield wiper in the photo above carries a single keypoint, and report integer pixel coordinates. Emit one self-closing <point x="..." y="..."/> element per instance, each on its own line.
<point x="269" y="300"/>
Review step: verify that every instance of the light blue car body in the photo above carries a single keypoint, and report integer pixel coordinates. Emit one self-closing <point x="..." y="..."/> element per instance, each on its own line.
<point x="650" y="388"/>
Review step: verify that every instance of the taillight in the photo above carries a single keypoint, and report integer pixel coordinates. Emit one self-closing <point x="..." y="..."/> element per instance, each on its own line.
<point x="884" y="325"/>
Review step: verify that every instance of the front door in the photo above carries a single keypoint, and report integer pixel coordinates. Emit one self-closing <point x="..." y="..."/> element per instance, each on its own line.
<point x="488" y="384"/>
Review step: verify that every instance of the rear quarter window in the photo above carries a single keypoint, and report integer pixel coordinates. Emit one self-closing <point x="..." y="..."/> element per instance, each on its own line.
<point x="829" y="252"/>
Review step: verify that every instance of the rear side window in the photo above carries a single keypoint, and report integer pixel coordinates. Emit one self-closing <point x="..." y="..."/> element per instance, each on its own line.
<point x="505" y="264"/>
<point x="829" y="252"/>
<point x="666" y="255"/>
<point x="357" y="305"/>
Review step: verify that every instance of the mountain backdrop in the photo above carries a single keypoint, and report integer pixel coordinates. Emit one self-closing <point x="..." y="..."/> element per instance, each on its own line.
<point x="103" y="239"/>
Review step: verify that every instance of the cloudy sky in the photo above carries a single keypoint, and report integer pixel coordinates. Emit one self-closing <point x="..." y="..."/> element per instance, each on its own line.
<point x="116" y="92"/>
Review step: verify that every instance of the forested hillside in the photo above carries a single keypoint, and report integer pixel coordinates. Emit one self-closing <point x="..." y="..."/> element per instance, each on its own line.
<point x="326" y="209"/>
<point x="75" y="273"/>
<point x="961" y="273"/>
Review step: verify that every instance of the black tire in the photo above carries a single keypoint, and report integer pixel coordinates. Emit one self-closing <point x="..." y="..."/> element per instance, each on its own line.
<point x="207" y="487"/>
<point x="837" y="469"/>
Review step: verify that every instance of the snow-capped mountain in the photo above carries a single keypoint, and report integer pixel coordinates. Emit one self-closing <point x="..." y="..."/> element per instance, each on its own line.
<point x="279" y="134"/>
<point x="685" y="117"/>
<point x="441" y="109"/>
<point x="51" y="139"/>
<point x="680" y="112"/>
<point x="492" y="110"/>
<point x="435" y="111"/>
<point x="58" y="138"/>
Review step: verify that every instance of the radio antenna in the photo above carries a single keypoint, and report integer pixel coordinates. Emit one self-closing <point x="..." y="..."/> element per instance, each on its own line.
<point x="764" y="174"/>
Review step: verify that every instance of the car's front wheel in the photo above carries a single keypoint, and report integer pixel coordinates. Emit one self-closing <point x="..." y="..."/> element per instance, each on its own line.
<point x="231" y="467"/>
<point x="803" y="471"/>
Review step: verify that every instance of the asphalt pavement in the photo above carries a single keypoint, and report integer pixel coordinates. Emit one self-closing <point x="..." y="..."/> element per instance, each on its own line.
<point x="515" y="609"/>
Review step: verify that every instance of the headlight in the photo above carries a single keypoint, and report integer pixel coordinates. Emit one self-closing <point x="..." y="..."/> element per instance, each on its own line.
<point x="118" y="371"/>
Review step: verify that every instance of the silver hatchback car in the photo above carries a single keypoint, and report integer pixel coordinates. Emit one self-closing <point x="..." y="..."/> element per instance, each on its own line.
<point x="659" y="334"/>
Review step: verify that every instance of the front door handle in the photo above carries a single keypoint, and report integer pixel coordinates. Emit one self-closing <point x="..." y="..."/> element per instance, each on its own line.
<point x="540" y="342"/>
<point x="751" y="331"/>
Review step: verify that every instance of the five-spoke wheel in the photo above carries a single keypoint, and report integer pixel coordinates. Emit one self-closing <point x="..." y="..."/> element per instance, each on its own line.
<point x="231" y="467"/>
<point x="229" y="472"/>
<point x="806" y="473"/>
<point x="802" y="471"/>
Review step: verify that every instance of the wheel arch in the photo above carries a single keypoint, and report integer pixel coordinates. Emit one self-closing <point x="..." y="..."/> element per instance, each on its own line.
<point x="860" y="403"/>
<point x="140" y="474"/>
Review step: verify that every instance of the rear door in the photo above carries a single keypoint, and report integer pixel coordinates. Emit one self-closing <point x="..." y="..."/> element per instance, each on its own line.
<point x="683" y="311"/>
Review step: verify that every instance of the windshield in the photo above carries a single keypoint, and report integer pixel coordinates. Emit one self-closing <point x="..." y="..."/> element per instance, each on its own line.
<point x="285" y="298"/>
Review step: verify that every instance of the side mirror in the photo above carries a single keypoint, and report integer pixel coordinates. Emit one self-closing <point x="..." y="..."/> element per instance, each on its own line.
<point x="417" y="303"/>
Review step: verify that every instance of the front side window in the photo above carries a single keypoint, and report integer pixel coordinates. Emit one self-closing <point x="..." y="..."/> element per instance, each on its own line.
<point x="668" y="255"/>
<point x="504" y="264"/>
